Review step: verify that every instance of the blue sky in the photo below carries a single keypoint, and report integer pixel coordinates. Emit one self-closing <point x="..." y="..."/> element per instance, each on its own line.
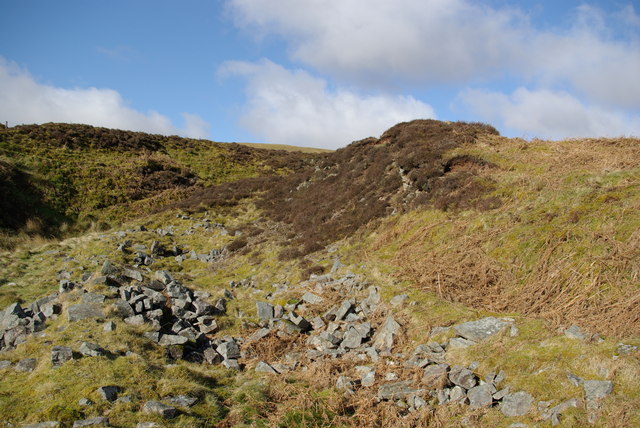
<point x="322" y="73"/>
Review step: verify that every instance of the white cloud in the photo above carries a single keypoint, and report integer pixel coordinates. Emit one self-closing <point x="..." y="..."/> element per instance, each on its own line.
<point x="294" y="107"/>
<point x="23" y="100"/>
<point x="548" y="114"/>
<point x="454" y="41"/>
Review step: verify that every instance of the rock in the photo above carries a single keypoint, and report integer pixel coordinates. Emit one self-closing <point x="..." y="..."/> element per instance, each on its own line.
<point x="480" y="396"/>
<point x="516" y="404"/>
<point x="147" y="425"/>
<point x="47" y="424"/>
<point x="457" y="394"/>
<point x="597" y="389"/>
<point x="499" y="395"/>
<point x="344" y="309"/>
<point x="626" y="349"/>
<point x="344" y="384"/>
<point x="108" y="269"/>
<point x="181" y="400"/>
<point x="109" y="392"/>
<point x="311" y="298"/>
<point x="555" y="412"/>
<point x="368" y="377"/>
<point x="163" y="276"/>
<point x="66" y="286"/>
<point x="26" y="365"/>
<point x="480" y="329"/>
<point x="132" y="274"/>
<point x="159" y="408"/>
<point x="265" y="311"/>
<point x="576" y="380"/>
<point x="93" y="298"/>
<point x="93" y="422"/>
<point x="60" y="355"/>
<point x="91" y="350"/>
<point x="84" y="310"/>
<point x="123" y="309"/>
<point x="229" y="350"/>
<point x="136" y="320"/>
<point x="385" y="336"/>
<point x="300" y="322"/>
<point x="396" y="391"/>
<point x="317" y="323"/>
<point x="211" y="356"/>
<point x="575" y="332"/>
<point x="231" y="364"/>
<point x="436" y="376"/>
<point x="4" y="364"/>
<point x="459" y="343"/>
<point x="85" y="402"/>
<point x="399" y="300"/>
<point x="462" y="377"/>
<point x="263" y="367"/>
<point x="172" y="339"/>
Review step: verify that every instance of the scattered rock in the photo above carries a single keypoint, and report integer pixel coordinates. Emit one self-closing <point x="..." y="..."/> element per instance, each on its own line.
<point x="462" y="377"/>
<point x="263" y="367"/>
<point x="91" y="350"/>
<point x="265" y="311"/>
<point x="181" y="400"/>
<point x="93" y="422"/>
<point x="60" y="355"/>
<point x="311" y="298"/>
<point x="109" y="326"/>
<point x="436" y="376"/>
<point x="397" y="390"/>
<point x="385" y="336"/>
<point x="575" y="332"/>
<point x="159" y="408"/>
<point x="109" y="392"/>
<point x="516" y="404"/>
<point x="480" y="329"/>
<point x="26" y="365"/>
<point x="597" y="389"/>
<point x="83" y="311"/>
<point x="480" y="396"/>
<point x="399" y="300"/>
<point x="47" y="424"/>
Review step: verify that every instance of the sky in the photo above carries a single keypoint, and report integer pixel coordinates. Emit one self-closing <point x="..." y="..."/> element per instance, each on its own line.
<point x="322" y="73"/>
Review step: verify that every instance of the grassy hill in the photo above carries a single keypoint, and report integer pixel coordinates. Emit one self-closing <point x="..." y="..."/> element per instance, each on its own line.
<point x="450" y="221"/>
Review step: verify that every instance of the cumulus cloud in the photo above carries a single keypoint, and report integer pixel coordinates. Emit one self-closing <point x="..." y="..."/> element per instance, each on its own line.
<point x="454" y="41"/>
<point x="23" y="100"/>
<point x="548" y="114"/>
<point x="297" y="108"/>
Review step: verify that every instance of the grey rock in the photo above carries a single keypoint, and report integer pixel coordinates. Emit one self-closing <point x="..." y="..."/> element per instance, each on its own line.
<point x="147" y="425"/>
<point x="597" y="389"/>
<point x="109" y="392"/>
<point x="462" y="377"/>
<point x="368" y="378"/>
<point x="93" y="298"/>
<point x="181" y="400"/>
<point x="85" y="402"/>
<point x="480" y="396"/>
<point x="457" y="394"/>
<point x="263" y="367"/>
<point x="231" y="364"/>
<point x="516" y="404"/>
<point x="576" y="380"/>
<point x="132" y="274"/>
<point x="108" y="269"/>
<point x="158" y="408"/>
<point x="66" y="286"/>
<point x="311" y="298"/>
<point x="555" y="412"/>
<point x="152" y="335"/>
<point x="626" y="349"/>
<point x="259" y="334"/>
<point x="4" y="364"/>
<point x="136" y="320"/>
<point x="123" y="309"/>
<point x="459" y="343"/>
<point x="436" y="376"/>
<point x="344" y="309"/>
<point x="384" y="338"/>
<point x="265" y="311"/>
<point x="91" y="350"/>
<point x="203" y="308"/>
<point x="211" y="356"/>
<point x="343" y="383"/>
<point x="575" y="332"/>
<point x="399" y="300"/>
<point x="317" y="323"/>
<point x="47" y="424"/>
<point x="397" y="390"/>
<point x="480" y="329"/>
<point x="499" y="395"/>
<point x="60" y="355"/>
<point x="300" y="322"/>
<point x="163" y="276"/>
<point x="26" y="365"/>
<point x="172" y="339"/>
<point x="84" y="311"/>
<point x="229" y="350"/>
<point x="93" y="422"/>
<point x="221" y="306"/>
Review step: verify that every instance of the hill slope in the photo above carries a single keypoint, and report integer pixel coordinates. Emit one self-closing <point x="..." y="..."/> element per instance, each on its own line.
<point x="424" y="278"/>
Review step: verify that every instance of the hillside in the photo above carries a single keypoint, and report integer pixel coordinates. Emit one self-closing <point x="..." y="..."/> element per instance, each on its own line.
<point x="439" y="275"/>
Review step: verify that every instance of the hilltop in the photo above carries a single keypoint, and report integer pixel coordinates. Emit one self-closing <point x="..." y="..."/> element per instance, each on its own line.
<point x="438" y="275"/>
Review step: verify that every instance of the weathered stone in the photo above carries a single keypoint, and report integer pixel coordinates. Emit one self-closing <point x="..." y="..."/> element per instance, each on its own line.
<point x="263" y="367"/>
<point x="626" y="349"/>
<point x="555" y="412"/>
<point x="311" y="298"/>
<point x="597" y="389"/>
<point x="462" y="377"/>
<point x="163" y="276"/>
<point x="436" y="376"/>
<point x="50" y="309"/>
<point x="132" y="274"/>
<point x="181" y="400"/>
<point x="384" y="339"/>
<point x="109" y="392"/>
<point x="480" y="396"/>
<point x="396" y="390"/>
<point x="47" y="424"/>
<point x="136" y="320"/>
<point x="574" y="379"/>
<point x="93" y="422"/>
<point x="343" y="383"/>
<point x="457" y="394"/>
<point x="93" y="298"/>
<point x="288" y="327"/>
<point x="159" y="408"/>
<point x="459" y="343"/>
<point x="172" y="339"/>
<point x="221" y="306"/>
<point x="368" y="378"/>
<point x="91" y="350"/>
<point x="259" y="334"/>
<point x="207" y="325"/>
<point x="66" y="286"/>
<point x="85" y="402"/>
<point x="480" y="329"/>
<point x="4" y="364"/>
<point x="26" y="365"/>
<point x="60" y="355"/>
<point x="344" y="309"/>
<point x="203" y="308"/>
<point x="211" y="356"/>
<point x="147" y="425"/>
<point x="108" y="269"/>
<point x="499" y="395"/>
<point x="229" y="350"/>
<point x="317" y="323"/>
<point x="399" y="300"/>
<point x="516" y="404"/>
<point x="265" y="311"/>
<point x="575" y="332"/>
<point x="231" y="364"/>
<point x="84" y="310"/>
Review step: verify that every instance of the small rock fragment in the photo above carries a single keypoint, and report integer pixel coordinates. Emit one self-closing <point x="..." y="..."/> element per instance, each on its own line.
<point x="159" y="408"/>
<point x="516" y="404"/>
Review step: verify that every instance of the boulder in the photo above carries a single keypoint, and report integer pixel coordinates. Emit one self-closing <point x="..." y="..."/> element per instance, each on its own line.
<point x="436" y="376"/>
<point x="84" y="310"/>
<point x="60" y="355"/>
<point x="397" y="391"/>
<point x="158" y="408"/>
<point x="462" y="377"/>
<point x="480" y="329"/>
<point x="384" y="338"/>
<point x="91" y="350"/>
<point x="575" y="332"/>
<point x="229" y="350"/>
<point x="263" y="367"/>
<point x="109" y="392"/>
<point x="516" y="404"/>
<point x="597" y="389"/>
<point x="311" y="298"/>
<point x="265" y="311"/>
<point x="480" y="396"/>
<point x="26" y="365"/>
<point x="172" y="339"/>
